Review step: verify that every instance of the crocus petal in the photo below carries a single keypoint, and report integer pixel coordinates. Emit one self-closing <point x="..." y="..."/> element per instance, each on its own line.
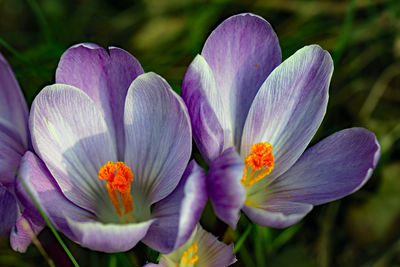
<point x="241" y="52"/>
<point x="105" y="77"/>
<point x="216" y="253"/>
<point x="333" y="168"/>
<point x="13" y="108"/>
<point x="177" y="214"/>
<point x="277" y="213"/>
<point x="8" y="211"/>
<point x="13" y="123"/>
<point x="11" y="151"/>
<point x="205" y="108"/>
<point x="211" y="252"/>
<point x="24" y="230"/>
<point x="70" y="135"/>
<point x="37" y="179"/>
<point x="224" y="187"/>
<point x="108" y="237"/>
<point x="289" y="107"/>
<point x="158" y="136"/>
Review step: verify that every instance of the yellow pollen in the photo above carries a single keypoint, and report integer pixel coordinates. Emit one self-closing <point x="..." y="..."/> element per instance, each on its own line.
<point x="189" y="256"/>
<point x="258" y="163"/>
<point x="119" y="178"/>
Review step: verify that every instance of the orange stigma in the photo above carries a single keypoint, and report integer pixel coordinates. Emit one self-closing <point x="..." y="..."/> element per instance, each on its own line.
<point x="258" y="163"/>
<point x="119" y="178"/>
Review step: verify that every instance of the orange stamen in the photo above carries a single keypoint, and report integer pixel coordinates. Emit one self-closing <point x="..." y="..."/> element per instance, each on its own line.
<point x="258" y="163"/>
<point x="119" y="178"/>
<point x="189" y="256"/>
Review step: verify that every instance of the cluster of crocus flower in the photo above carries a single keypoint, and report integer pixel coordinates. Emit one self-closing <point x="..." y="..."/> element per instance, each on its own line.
<point x="109" y="162"/>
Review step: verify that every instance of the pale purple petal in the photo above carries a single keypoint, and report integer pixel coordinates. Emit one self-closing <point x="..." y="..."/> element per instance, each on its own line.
<point x="225" y="189"/>
<point x="105" y="76"/>
<point x="13" y="123"/>
<point x="158" y="136"/>
<point x="241" y="51"/>
<point x="277" y="213"/>
<point x="72" y="138"/>
<point x="11" y="151"/>
<point x="108" y="237"/>
<point x="206" y="109"/>
<point x="333" y="168"/>
<point x="24" y="230"/>
<point x="211" y="252"/>
<point x="289" y="107"/>
<point x="177" y="215"/>
<point x="13" y="108"/>
<point x="83" y="66"/>
<point x="8" y="211"/>
<point x="38" y="180"/>
<point x="119" y="74"/>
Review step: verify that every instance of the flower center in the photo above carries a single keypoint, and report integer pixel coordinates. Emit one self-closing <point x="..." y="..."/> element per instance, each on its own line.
<point x="189" y="256"/>
<point x="258" y="163"/>
<point x="119" y="178"/>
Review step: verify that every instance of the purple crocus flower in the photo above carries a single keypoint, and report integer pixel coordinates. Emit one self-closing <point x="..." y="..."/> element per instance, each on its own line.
<point x="253" y="117"/>
<point x="201" y="249"/>
<point x="116" y="141"/>
<point x="15" y="221"/>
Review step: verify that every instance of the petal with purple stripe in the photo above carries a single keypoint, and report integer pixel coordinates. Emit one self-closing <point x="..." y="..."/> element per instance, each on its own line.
<point x="37" y="179"/>
<point x="8" y="211"/>
<point x="11" y="151"/>
<point x="241" y="51"/>
<point x="289" y="107"/>
<point x="13" y="108"/>
<point x="105" y="77"/>
<point x="177" y="215"/>
<point x="226" y="192"/>
<point x="25" y="229"/>
<point x="333" y="168"/>
<point x="158" y="136"/>
<point x="71" y="136"/>
<point x="204" y="249"/>
<point x="206" y="109"/>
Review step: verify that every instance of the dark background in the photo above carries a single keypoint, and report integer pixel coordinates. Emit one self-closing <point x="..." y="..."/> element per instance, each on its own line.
<point x="363" y="38"/>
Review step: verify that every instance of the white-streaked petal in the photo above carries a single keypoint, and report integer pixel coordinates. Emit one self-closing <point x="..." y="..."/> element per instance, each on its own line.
<point x="333" y="168"/>
<point x="71" y="136"/>
<point x="290" y="106"/>
<point x="211" y="127"/>
<point x="36" y="178"/>
<point x="108" y="238"/>
<point x="105" y="77"/>
<point x="241" y="51"/>
<point x="211" y="252"/>
<point x="178" y="214"/>
<point x="158" y="136"/>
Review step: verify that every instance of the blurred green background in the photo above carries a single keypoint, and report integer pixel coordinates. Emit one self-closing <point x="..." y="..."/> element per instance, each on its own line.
<point x="363" y="38"/>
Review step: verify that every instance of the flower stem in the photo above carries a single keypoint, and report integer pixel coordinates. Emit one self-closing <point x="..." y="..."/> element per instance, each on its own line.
<point x="242" y="238"/>
<point x="49" y="224"/>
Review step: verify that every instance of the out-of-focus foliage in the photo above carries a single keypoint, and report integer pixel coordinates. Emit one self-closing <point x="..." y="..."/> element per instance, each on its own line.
<point x="375" y="221"/>
<point x="363" y="38"/>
